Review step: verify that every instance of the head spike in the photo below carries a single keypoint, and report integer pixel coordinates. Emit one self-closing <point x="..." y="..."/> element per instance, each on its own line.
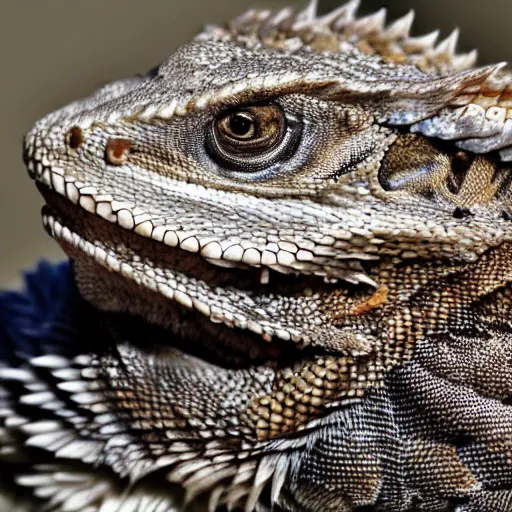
<point x="501" y="76"/>
<point x="283" y="17"/>
<point x="282" y="21"/>
<point x="373" y="23"/>
<point x="446" y="49"/>
<point x="414" y="102"/>
<point x="250" y="20"/>
<point x="308" y="15"/>
<point x="421" y="44"/>
<point x="399" y="29"/>
<point x="465" y="60"/>
<point x="346" y="15"/>
<point x="247" y="18"/>
<point x="335" y="15"/>
<point x="264" y="16"/>
<point x="290" y="31"/>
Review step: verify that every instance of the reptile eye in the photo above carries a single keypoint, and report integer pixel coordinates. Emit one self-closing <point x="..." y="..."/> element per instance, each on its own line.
<point x="252" y="130"/>
<point x="241" y="126"/>
<point x="252" y="138"/>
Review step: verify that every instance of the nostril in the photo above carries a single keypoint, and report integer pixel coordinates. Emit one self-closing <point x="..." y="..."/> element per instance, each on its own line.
<point x="75" y="137"/>
<point x="117" y="151"/>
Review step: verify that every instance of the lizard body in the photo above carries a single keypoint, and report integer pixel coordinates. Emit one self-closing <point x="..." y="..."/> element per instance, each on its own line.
<point x="292" y="241"/>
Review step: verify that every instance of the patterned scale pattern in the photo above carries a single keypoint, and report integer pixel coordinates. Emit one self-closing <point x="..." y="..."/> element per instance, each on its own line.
<point x="420" y="432"/>
<point x="442" y="422"/>
<point x="332" y="336"/>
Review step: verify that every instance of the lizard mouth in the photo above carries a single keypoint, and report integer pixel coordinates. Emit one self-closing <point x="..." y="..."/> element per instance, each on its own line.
<point x="185" y="293"/>
<point x="123" y="275"/>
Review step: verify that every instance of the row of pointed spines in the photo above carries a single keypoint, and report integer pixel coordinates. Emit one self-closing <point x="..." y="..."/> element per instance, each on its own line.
<point x="52" y="402"/>
<point x="58" y="407"/>
<point x="69" y="486"/>
<point x="343" y="22"/>
<point x="46" y="402"/>
<point x="238" y="484"/>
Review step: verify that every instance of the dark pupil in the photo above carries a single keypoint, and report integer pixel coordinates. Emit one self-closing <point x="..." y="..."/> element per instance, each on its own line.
<point x="240" y="125"/>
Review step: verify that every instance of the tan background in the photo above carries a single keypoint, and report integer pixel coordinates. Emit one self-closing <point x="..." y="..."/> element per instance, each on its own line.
<point x="53" y="51"/>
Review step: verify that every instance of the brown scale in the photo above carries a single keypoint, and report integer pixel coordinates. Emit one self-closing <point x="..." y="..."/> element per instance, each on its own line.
<point x="498" y="309"/>
<point x="435" y="462"/>
<point x="436" y="297"/>
<point x="436" y="170"/>
<point x="301" y="395"/>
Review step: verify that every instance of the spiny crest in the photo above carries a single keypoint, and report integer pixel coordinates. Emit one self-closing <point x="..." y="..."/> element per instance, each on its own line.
<point x="289" y="30"/>
<point x="431" y="88"/>
<point x="236" y="483"/>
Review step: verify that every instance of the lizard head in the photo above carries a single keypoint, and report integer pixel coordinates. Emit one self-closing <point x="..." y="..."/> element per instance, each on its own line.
<point x="285" y="178"/>
<point x="278" y="145"/>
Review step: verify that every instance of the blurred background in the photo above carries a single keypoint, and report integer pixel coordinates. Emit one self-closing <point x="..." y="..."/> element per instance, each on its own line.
<point x="54" y="51"/>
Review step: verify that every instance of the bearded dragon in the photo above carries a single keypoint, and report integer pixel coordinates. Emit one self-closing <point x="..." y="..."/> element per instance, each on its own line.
<point x="292" y="247"/>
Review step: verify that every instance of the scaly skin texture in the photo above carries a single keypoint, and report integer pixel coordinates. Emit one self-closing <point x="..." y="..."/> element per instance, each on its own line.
<point x="296" y="237"/>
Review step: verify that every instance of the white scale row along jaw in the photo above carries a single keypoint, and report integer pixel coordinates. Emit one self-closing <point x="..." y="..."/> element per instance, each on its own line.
<point x="311" y="197"/>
